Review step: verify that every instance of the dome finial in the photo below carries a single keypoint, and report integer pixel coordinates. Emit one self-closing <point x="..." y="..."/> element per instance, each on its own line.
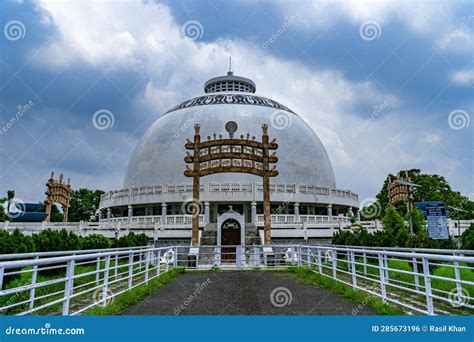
<point x="230" y="66"/>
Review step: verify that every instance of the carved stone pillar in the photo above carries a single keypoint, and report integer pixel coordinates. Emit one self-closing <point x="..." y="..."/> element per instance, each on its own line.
<point x="254" y="212"/>
<point x="207" y="212"/>
<point x="163" y="212"/>
<point x="130" y="213"/>
<point x="109" y="214"/>
<point x="349" y="211"/>
<point x="296" y="207"/>
<point x="329" y="207"/>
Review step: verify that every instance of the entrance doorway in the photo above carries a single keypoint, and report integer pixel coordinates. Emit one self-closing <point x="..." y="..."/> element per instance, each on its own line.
<point x="230" y="237"/>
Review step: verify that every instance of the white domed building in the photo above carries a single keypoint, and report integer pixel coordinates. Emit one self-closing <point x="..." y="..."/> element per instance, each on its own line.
<point x="305" y="203"/>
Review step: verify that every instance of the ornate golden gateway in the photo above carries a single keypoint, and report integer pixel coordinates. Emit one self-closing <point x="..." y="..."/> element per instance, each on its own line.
<point x="58" y="192"/>
<point x="398" y="189"/>
<point x="218" y="155"/>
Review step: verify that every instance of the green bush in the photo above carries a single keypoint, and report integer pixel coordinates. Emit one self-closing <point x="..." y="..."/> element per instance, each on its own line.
<point x="15" y="242"/>
<point x="467" y="238"/>
<point x="132" y="240"/>
<point x="56" y="240"/>
<point x="95" y="241"/>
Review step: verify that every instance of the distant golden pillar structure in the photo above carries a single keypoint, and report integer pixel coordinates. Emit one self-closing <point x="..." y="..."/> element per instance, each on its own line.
<point x="57" y="192"/>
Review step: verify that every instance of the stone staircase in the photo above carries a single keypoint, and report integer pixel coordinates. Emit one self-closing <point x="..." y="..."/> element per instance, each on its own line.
<point x="209" y="235"/>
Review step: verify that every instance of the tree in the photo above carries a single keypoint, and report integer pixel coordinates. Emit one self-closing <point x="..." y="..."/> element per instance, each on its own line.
<point x="84" y="204"/>
<point x="467" y="238"/>
<point x="419" y="223"/>
<point x="3" y="214"/>
<point x="432" y="188"/>
<point x="10" y="197"/>
<point x="394" y="226"/>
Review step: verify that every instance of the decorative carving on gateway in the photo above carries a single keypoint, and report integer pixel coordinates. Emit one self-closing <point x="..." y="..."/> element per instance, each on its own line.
<point x="220" y="155"/>
<point x="57" y="192"/>
<point x="230" y="99"/>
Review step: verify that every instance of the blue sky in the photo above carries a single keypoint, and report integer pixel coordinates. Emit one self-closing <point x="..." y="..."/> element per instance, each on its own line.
<point x="385" y="85"/>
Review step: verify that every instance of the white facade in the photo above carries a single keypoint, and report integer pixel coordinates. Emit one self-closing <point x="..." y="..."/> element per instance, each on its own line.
<point x="155" y="187"/>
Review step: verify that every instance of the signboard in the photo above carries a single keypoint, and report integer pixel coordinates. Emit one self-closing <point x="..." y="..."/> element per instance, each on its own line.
<point x="422" y="206"/>
<point x="437" y="221"/>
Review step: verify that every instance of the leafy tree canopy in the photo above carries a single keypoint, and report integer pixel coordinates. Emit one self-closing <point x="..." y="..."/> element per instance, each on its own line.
<point x="84" y="204"/>
<point x="432" y="188"/>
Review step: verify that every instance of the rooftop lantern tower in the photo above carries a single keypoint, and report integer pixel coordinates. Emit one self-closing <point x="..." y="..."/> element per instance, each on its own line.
<point x="229" y="83"/>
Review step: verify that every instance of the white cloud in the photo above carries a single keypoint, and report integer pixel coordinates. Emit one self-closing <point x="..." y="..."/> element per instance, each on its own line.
<point x="148" y="40"/>
<point x="463" y="78"/>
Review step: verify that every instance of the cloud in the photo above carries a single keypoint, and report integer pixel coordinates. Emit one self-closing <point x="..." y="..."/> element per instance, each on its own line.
<point x="463" y="78"/>
<point x="146" y="40"/>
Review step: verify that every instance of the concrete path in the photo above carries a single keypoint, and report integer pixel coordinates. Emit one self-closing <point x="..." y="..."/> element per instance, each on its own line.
<point x="244" y="293"/>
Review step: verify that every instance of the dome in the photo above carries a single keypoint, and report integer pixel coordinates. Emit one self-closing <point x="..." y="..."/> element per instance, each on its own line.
<point x="159" y="156"/>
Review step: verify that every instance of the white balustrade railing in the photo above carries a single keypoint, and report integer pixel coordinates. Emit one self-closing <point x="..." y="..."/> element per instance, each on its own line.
<point x="226" y="187"/>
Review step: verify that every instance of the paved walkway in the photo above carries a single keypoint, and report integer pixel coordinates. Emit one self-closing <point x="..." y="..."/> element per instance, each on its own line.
<point x="244" y="293"/>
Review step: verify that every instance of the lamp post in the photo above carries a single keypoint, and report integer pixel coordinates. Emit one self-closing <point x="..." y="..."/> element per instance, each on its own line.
<point x="458" y="210"/>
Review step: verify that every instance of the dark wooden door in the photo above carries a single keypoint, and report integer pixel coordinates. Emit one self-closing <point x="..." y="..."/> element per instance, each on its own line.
<point x="230" y="237"/>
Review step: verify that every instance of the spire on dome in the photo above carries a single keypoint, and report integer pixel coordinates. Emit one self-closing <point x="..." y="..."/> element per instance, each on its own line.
<point x="229" y="83"/>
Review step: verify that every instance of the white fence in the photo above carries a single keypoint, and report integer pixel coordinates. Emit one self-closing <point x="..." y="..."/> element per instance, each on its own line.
<point x="422" y="281"/>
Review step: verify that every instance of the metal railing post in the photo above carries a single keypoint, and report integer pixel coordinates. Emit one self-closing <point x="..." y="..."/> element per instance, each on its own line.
<point x="33" y="282"/>
<point x="457" y="275"/>
<point x="429" y="298"/>
<point x="97" y="273"/>
<point x="382" y="278"/>
<point x="105" y="287"/>
<point x="2" y="271"/>
<point x="147" y="261"/>
<point x="68" y="286"/>
<point x="116" y="265"/>
<point x="415" y="269"/>
<point x="364" y="255"/>
<point x="353" y="266"/>
<point x="387" y="272"/>
<point x="320" y="266"/>
<point x="175" y="264"/>
<point x="130" y="270"/>
<point x="158" y="270"/>
<point x="167" y="260"/>
<point x="238" y="257"/>
<point x="300" y="259"/>
<point x="308" y="256"/>
<point x="334" y="264"/>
